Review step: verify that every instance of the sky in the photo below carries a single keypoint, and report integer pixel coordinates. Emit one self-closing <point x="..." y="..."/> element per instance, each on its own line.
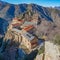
<point x="47" y="3"/>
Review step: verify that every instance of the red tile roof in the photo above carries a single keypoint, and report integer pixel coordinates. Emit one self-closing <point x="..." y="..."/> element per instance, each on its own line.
<point x="27" y="28"/>
<point x="15" y="18"/>
<point x="18" y="19"/>
<point x="33" y="43"/>
<point x="17" y="24"/>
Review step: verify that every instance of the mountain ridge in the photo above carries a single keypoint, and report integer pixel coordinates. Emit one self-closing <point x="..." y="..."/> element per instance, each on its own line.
<point x="9" y="11"/>
<point x="58" y="7"/>
<point x="45" y="22"/>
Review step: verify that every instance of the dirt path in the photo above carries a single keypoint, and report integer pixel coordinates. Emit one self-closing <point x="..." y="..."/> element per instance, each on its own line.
<point x="51" y="51"/>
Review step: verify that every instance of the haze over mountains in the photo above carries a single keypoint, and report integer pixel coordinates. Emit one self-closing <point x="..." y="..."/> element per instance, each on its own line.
<point x="47" y="15"/>
<point x="57" y="8"/>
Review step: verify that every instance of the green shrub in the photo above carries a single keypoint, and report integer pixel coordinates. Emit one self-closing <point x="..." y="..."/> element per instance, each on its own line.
<point x="41" y="50"/>
<point x="57" y="40"/>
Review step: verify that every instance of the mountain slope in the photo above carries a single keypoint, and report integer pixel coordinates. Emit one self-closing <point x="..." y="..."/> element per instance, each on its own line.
<point x="58" y="7"/>
<point x="9" y="11"/>
<point x="3" y="26"/>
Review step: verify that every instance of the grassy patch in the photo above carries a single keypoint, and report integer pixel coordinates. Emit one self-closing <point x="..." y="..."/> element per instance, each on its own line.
<point x="41" y="50"/>
<point x="57" y="40"/>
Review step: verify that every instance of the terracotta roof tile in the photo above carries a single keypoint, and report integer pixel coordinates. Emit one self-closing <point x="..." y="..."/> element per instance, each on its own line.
<point x="18" y="19"/>
<point x="27" y="28"/>
<point x="17" y="24"/>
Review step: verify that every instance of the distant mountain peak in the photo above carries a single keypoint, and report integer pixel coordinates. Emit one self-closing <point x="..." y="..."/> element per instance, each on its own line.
<point x="2" y="2"/>
<point x="58" y="7"/>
